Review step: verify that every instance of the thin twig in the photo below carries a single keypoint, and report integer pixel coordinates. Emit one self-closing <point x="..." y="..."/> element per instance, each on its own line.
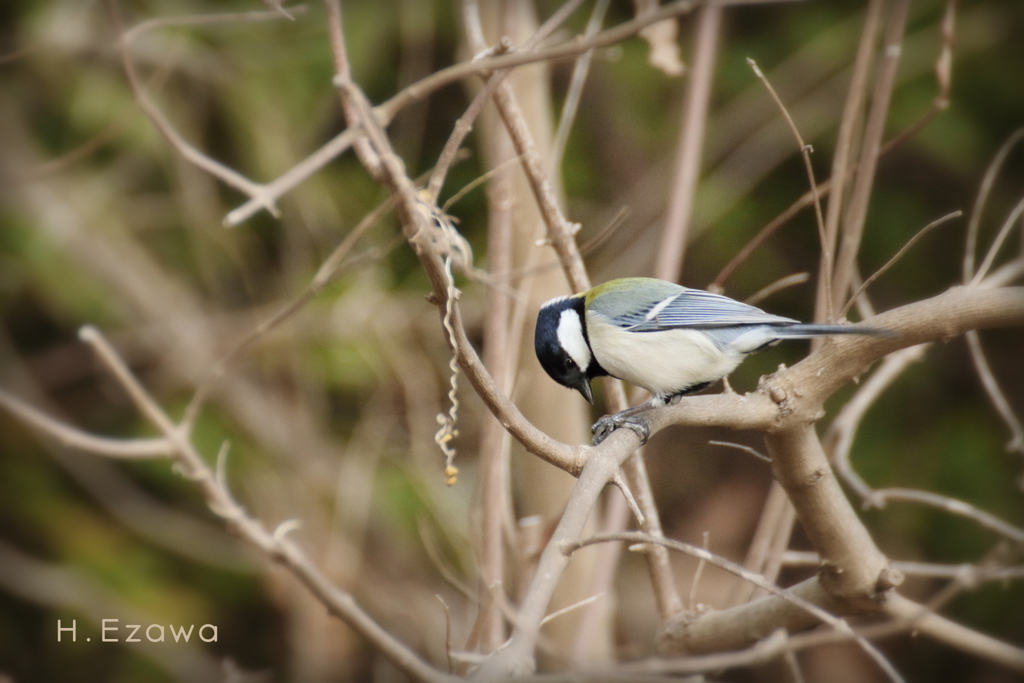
<point x="805" y="152"/>
<point x="844" y="427"/>
<point x="968" y="640"/>
<point x="718" y="284"/>
<point x="465" y="122"/>
<point x="741" y="447"/>
<point x="780" y="284"/>
<point x="899" y="254"/>
<point x="361" y="145"/>
<point x="576" y="605"/>
<point x="331" y="266"/>
<point x="997" y="243"/>
<point x="835" y="622"/>
<point x="969" y="573"/>
<point x="669" y="262"/>
<point x="849" y="124"/>
<point x="130" y="449"/>
<point x="696" y="575"/>
<point x="274" y="545"/>
<point x="853" y="224"/>
<point x="214" y="19"/>
<point x="575" y="91"/>
<point x="880" y="497"/>
<point x="156" y="116"/>
<point x="987" y="182"/>
<point x="995" y="394"/>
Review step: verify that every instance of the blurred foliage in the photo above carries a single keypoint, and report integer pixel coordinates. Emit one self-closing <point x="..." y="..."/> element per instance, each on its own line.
<point x="257" y="97"/>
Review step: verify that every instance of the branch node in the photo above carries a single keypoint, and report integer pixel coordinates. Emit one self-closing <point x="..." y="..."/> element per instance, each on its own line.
<point x="889" y="578"/>
<point x="284" y="528"/>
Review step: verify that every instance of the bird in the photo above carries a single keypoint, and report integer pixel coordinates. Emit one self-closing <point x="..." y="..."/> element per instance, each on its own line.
<point x="669" y="339"/>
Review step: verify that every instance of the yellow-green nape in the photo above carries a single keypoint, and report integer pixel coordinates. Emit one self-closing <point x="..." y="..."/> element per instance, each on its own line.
<point x="623" y="284"/>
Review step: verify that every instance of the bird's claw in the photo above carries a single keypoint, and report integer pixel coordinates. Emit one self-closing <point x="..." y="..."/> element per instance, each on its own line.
<point x="603" y="428"/>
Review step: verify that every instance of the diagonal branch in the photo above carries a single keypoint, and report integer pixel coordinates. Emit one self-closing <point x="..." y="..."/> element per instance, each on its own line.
<point x="275" y="546"/>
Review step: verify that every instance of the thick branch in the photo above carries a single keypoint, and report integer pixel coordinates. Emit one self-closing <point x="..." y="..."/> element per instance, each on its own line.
<point x="855" y="573"/>
<point x="517" y="656"/>
<point x="940" y="318"/>
<point x="738" y="627"/>
<point x="852" y="566"/>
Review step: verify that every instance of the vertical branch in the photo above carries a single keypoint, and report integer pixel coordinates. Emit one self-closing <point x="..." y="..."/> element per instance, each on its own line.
<point x="805" y="153"/>
<point x="987" y="181"/>
<point x="499" y="357"/>
<point x="853" y="225"/>
<point x="517" y="656"/>
<point x="575" y="91"/>
<point x="669" y="264"/>
<point x="561" y="233"/>
<point x="361" y="145"/>
<point x="477" y="43"/>
<point x="852" y="566"/>
<point x="848" y="125"/>
<point x="658" y="564"/>
<point x="773" y="532"/>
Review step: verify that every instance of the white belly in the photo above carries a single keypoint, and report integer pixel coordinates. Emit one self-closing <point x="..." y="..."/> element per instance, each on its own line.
<point x="663" y="362"/>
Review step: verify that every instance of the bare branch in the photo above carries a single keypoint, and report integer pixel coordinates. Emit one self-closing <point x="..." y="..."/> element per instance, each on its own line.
<point x="517" y="655"/>
<point x="843" y="428"/>
<point x="969" y="574"/>
<point x="669" y="262"/>
<point x="465" y="122"/>
<point x="130" y="449"/>
<point x="780" y="284"/>
<point x="879" y="497"/>
<point x="741" y="447"/>
<point x="791" y="596"/>
<point x="995" y="394"/>
<point x="899" y="254"/>
<point x="186" y="149"/>
<point x="362" y="146"/>
<point x="275" y="546"/>
<point x="805" y="152"/>
<point x="575" y="91"/>
<point x="987" y="182"/>
<point x="924" y="621"/>
<point x="704" y="555"/>
<point x="265" y="195"/>
<point x="853" y="225"/>
<point x="1001" y="236"/>
<point x="849" y="124"/>
<point x="771" y="538"/>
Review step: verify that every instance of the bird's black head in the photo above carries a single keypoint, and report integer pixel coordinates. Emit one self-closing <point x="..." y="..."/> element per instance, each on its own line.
<point x="562" y="347"/>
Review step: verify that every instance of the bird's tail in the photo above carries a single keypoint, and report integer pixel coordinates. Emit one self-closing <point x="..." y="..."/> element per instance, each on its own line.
<point x="806" y="330"/>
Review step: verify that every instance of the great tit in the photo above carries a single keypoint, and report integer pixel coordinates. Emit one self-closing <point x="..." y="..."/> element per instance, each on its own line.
<point x="668" y="339"/>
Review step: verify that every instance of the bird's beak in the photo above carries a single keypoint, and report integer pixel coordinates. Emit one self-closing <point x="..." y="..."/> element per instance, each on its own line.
<point x="584" y="388"/>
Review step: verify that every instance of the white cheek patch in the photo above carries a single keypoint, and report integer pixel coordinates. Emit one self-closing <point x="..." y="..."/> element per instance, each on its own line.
<point x="570" y="337"/>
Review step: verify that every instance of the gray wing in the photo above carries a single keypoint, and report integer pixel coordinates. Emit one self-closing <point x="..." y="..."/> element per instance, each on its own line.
<point x="695" y="308"/>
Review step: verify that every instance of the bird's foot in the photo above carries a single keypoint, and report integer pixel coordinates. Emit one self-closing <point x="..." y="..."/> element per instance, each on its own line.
<point x="609" y="423"/>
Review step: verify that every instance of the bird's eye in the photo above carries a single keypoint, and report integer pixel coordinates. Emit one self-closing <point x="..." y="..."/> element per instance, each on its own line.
<point x="569" y="363"/>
